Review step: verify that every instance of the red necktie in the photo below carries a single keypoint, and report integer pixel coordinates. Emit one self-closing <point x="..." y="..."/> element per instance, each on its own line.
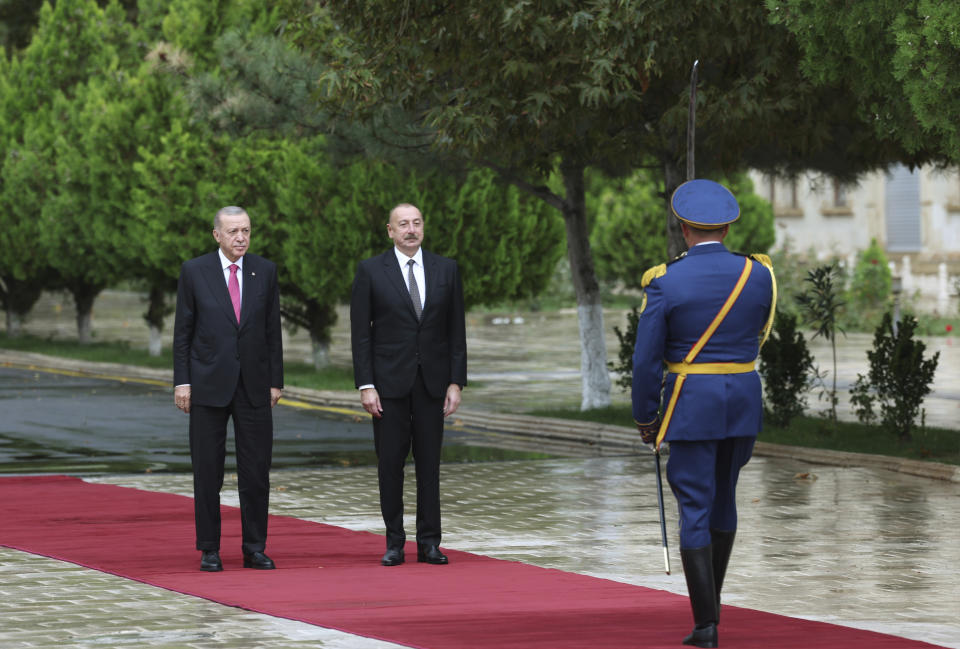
<point x="234" y="287"/>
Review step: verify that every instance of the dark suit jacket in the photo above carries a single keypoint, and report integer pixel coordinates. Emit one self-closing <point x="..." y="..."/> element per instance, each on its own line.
<point x="389" y="343"/>
<point x="210" y="349"/>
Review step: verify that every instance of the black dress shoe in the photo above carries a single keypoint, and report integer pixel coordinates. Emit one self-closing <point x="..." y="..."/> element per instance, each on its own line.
<point x="258" y="560"/>
<point x="210" y="561"/>
<point x="431" y="554"/>
<point x="393" y="557"/>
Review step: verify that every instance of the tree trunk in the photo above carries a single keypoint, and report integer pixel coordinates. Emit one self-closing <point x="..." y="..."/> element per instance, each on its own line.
<point x="83" y="298"/>
<point x="321" y="352"/>
<point x="156" y="310"/>
<point x="155" y="344"/>
<point x="673" y="178"/>
<point x="85" y="326"/>
<point x="14" y="324"/>
<point x="314" y="315"/>
<point x="595" y="377"/>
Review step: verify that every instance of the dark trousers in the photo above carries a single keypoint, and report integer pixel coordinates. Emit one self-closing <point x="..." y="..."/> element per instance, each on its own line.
<point x="253" y="435"/>
<point x="417" y="420"/>
<point x="703" y="477"/>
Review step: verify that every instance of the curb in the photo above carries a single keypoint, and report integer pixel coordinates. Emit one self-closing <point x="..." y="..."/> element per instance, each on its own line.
<point x="563" y="437"/>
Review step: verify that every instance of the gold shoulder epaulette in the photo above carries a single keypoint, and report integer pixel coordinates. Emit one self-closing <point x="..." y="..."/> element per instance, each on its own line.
<point x="652" y="274"/>
<point x="763" y="259"/>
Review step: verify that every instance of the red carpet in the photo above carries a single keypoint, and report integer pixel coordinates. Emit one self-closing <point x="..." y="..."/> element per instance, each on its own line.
<point x="331" y="577"/>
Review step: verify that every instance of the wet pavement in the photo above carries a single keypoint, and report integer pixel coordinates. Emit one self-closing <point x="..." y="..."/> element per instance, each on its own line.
<point x="862" y="547"/>
<point x="61" y="422"/>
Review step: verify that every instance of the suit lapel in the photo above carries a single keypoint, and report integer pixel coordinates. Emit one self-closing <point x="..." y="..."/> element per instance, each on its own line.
<point x="391" y="269"/>
<point x="213" y="274"/>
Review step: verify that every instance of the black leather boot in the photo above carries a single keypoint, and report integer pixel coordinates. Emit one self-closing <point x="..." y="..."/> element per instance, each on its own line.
<point x="722" y="547"/>
<point x="698" y="571"/>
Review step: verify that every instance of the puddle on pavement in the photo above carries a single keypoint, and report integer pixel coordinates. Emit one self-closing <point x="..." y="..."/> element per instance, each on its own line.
<point x="19" y="456"/>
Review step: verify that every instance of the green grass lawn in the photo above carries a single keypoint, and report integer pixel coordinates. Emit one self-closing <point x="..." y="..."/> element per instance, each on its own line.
<point x="303" y="375"/>
<point x="937" y="444"/>
<point x="100" y="352"/>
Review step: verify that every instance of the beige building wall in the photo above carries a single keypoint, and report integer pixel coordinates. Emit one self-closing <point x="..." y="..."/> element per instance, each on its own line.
<point x="816" y="216"/>
<point x="815" y="213"/>
<point x="941" y="212"/>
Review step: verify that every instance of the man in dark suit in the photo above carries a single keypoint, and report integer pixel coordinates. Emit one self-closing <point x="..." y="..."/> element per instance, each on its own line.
<point x="410" y="364"/>
<point x="228" y="363"/>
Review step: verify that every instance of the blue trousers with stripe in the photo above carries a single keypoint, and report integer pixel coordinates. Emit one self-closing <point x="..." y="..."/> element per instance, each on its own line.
<point x="703" y="477"/>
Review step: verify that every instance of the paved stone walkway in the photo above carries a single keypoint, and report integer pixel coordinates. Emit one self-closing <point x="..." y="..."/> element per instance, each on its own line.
<point x="859" y="547"/>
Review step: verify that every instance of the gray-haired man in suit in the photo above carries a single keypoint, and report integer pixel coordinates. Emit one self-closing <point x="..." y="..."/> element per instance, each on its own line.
<point x="228" y="363"/>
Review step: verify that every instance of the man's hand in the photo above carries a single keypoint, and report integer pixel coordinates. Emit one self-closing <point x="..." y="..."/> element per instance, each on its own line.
<point x="452" y="402"/>
<point x="371" y="402"/>
<point x="181" y="397"/>
<point x="649" y="432"/>
<point x="275" y="394"/>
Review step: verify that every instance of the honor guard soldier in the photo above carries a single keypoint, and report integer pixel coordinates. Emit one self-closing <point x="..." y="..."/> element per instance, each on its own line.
<point x="703" y="319"/>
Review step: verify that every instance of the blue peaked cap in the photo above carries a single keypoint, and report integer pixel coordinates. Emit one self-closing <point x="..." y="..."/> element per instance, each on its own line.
<point x="704" y="204"/>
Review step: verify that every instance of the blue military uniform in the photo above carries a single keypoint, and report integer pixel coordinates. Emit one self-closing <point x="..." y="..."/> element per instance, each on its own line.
<point x="705" y="316"/>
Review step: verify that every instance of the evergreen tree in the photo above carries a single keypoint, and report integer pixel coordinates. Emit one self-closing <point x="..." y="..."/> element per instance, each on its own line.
<point x="57" y="165"/>
<point x="22" y="277"/>
<point x="84" y="210"/>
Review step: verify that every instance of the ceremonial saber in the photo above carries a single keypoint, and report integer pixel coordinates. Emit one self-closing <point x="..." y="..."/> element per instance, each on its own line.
<point x="691" y="174"/>
<point x="692" y="121"/>
<point x="663" y="518"/>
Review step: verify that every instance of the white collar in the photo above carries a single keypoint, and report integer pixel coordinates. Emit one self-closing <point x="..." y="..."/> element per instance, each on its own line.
<point x="225" y="263"/>
<point x="403" y="259"/>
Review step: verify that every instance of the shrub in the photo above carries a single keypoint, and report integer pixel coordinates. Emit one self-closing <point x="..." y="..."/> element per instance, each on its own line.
<point x="787" y="370"/>
<point x="870" y="285"/>
<point x="898" y="380"/>
<point x="628" y="340"/>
